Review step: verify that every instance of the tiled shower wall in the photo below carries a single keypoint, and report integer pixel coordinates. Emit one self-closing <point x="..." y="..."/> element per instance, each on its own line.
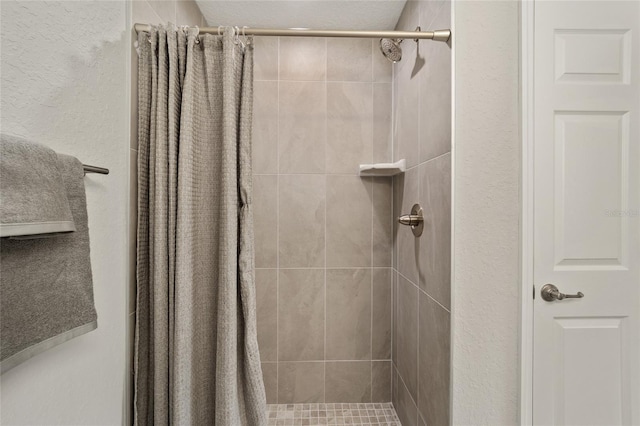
<point x="422" y="266"/>
<point x="323" y="234"/>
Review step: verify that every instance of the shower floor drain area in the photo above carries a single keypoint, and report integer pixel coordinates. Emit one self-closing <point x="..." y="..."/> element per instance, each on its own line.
<point x="333" y="414"/>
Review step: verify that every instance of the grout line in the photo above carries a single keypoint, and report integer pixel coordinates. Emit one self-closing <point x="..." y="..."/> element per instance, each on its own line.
<point x="425" y="293"/>
<point x="373" y="203"/>
<point x="429" y="160"/>
<point x="327" y="361"/>
<point x="328" y="268"/>
<point x="419" y="198"/>
<point x="278" y="223"/>
<point x="420" y="100"/>
<point x="326" y="129"/>
<point x="372" y="61"/>
<point x="392" y="136"/>
<point x="313" y="174"/>
<point x="408" y="393"/>
<point x="285" y="80"/>
<point x="417" y="353"/>
<point x="392" y="334"/>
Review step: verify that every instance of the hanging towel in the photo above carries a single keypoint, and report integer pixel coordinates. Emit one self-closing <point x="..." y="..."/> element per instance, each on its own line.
<point x="46" y="289"/>
<point x="33" y="200"/>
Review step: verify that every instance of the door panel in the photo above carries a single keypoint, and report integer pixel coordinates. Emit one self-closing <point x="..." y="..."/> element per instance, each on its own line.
<point x="578" y="401"/>
<point x="586" y="142"/>
<point x="587" y="212"/>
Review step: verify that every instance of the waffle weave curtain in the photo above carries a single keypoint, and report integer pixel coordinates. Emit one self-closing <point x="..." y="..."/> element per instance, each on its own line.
<point x="196" y="351"/>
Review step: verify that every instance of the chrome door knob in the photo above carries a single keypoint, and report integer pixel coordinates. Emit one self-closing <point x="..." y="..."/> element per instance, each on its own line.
<point x="550" y="292"/>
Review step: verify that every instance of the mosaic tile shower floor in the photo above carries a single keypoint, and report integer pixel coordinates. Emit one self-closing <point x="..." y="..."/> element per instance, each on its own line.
<point x="333" y="414"/>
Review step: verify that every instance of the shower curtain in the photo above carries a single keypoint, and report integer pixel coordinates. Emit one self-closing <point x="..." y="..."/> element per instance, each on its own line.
<point x="196" y="350"/>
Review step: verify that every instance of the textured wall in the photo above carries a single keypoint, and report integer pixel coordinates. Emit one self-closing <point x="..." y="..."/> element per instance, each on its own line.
<point x="422" y="266"/>
<point x="323" y="234"/>
<point x="64" y="84"/>
<point x="487" y="208"/>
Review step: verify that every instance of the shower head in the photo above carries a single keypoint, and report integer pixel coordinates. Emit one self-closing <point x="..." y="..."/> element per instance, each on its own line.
<point x="390" y="48"/>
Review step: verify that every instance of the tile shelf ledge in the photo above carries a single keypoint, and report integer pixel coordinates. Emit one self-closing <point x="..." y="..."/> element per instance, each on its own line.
<point x="383" y="169"/>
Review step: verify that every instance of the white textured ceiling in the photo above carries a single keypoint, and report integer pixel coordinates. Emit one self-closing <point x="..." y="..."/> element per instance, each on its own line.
<point x="314" y="14"/>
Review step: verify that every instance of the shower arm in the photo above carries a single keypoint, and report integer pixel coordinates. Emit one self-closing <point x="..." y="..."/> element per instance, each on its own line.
<point x="437" y="35"/>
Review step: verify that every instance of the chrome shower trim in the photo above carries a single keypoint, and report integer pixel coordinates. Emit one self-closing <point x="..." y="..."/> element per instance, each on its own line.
<point x="437" y="35"/>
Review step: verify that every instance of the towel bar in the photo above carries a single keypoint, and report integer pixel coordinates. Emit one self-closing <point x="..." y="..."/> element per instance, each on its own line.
<point x="93" y="169"/>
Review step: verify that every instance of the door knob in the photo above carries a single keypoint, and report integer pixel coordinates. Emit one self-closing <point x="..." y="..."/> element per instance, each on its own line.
<point x="550" y="292"/>
<point x="415" y="220"/>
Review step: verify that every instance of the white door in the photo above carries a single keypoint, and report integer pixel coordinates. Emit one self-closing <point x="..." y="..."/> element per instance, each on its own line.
<point x="586" y="367"/>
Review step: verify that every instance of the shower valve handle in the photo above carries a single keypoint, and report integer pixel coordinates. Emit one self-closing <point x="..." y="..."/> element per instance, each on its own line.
<point x="415" y="220"/>
<point x="410" y="219"/>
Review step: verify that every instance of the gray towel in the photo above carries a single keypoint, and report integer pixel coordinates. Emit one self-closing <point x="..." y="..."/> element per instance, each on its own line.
<point x="46" y="289"/>
<point x="33" y="199"/>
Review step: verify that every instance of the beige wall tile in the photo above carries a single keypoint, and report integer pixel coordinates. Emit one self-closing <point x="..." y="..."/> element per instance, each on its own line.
<point x="302" y="127"/>
<point x="381" y="308"/>
<point x="421" y="421"/>
<point x="382" y="222"/>
<point x="435" y="95"/>
<point x="382" y="101"/>
<point x="434" y="348"/>
<point x="348" y="381"/>
<point x="406" y="194"/>
<point x="301" y="309"/>
<point x="406" y="118"/>
<point x="348" y="314"/>
<point x="270" y="378"/>
<point x="265" y="190"/>
<point x="405" y="405"/>
<point x="143" y="13"/>
<point x="188" y="13"/>
<point x="382" y="67"/>
<point x="435" y="250"/>
<point x="265" y="58"/>
<point x="381" y="381"/>
<point x="265" y="127"/>
<point x="267" y="312"/>
<point x="301" y="227"/>
<point x="429" y="10"/>
<point x="394" y="385"/>
<point x="409" y="17"/>
<point x="394" y="316"/>
<point x="349" y="59"/>
<point x="348" y="221"/>
<point x="408" y="335"/>
<point x="349" y="126"/>
<point x="300" y="382"/>
<point x="425" y="71"/>
<point x="303" y="58"/>
<point x="166" y="10"/>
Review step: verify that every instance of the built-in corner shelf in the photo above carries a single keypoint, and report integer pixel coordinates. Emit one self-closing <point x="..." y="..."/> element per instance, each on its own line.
<point x="383" y="169"/>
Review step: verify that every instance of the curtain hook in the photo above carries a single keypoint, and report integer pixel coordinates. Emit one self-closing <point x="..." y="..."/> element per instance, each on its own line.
<point x="247" y="41"/>
<point x="197" y="41"/>
<point x="236" y="36"/>
<point x="219" y="28"/>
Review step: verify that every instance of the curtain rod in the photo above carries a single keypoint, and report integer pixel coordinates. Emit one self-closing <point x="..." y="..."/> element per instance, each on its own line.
<point x="94" y="169"/>
<point x="437" y="35"/>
